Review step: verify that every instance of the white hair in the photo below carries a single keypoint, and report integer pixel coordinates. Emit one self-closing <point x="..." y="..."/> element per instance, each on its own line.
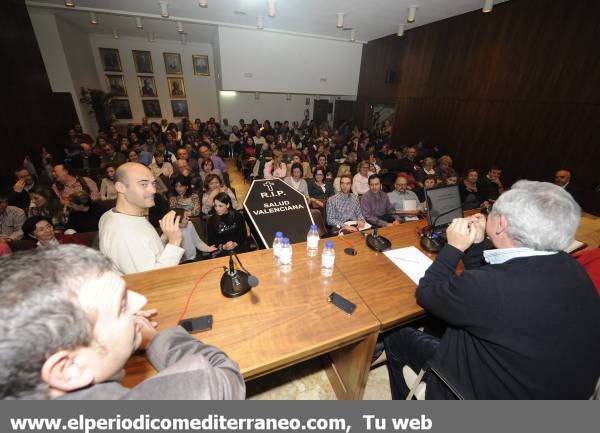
<point x="540" y="215"/>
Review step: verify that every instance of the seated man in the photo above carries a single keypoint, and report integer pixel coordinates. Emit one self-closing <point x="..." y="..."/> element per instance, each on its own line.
<point x="66" y="184"/>
<point x="562" y="178"/>
<point x="404" y="200"/>
<point x="490" y="186"/>
<point x="69" y="328"/>
<point x="19" y="196"/>
<point x="375" y="205"/>
<point x="126" y="236"/>
<point x="526" y="325"/>
<point x="84" y="214"/>
<point x="343" y="207"/>
<point x="11" y="219"/>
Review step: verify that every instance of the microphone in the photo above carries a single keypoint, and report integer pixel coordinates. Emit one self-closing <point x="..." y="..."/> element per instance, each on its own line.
<point x="235" y="283"/>
<point x="428" y="242"/>
<point x="378" y="243"/>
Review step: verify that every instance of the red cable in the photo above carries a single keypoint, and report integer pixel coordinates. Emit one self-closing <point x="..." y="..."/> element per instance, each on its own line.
<point x="187" y="303"/>
<point x="350" y="244"/>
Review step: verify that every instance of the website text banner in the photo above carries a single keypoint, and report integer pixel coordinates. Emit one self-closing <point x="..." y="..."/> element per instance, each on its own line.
<point x="298" y="416"/>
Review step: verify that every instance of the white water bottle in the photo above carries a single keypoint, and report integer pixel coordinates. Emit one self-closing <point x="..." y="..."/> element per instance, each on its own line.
<point x="327" y="259"/>
<point x="285" y="255"/>
<point x="312" y="241"/>
<point x="277" y="243"/>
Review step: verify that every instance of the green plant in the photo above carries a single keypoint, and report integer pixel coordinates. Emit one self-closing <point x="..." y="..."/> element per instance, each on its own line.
<point x="100" y="105"/>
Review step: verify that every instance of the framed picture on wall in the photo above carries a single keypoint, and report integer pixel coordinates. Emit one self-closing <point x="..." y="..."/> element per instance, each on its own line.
<point x="173" y="63"/>
<point x="116" y="85"/>
<point x="180" y="108"/>
<point x="176" y="87"/>
<point x="111" y="61"/>
<point x="142" y="61"/>
<point x="147" y="87"/>
<point x="151" y="108"/>
<point x="200" y="63"/>
<point x="121" y="108"/>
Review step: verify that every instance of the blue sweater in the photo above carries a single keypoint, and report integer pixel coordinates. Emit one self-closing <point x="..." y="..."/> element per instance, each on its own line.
<point x="528" y="328"/>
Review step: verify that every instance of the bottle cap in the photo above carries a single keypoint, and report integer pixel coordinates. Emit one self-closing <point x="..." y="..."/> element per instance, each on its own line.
<point x="313" y="226"/>
<point x="278" y="234"/>
<point x="329" y="244"/>
<point x="286" y="241"/>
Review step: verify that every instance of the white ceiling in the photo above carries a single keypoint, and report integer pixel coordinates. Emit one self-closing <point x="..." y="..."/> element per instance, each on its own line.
<point x="371" y="19"/>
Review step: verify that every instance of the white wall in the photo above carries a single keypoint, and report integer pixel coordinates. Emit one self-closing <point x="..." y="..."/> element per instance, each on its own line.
<point x="284" y="63"/>
<point x="49" y="33"/>
<point x="201" y="91"/>
<point x="271" y="106"/>
<point x="76" y="42"/>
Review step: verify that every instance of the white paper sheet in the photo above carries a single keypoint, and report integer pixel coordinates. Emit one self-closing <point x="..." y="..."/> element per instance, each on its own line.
<point x="411" y="261"/>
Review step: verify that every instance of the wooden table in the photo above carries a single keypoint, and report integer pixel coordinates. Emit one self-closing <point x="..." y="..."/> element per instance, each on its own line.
<point x="285" y="320"/>
<point x="388" y="291"/>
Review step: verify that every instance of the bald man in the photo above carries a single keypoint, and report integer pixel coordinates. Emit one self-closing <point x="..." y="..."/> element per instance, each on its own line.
<point x="562" y="178"/>
<point x="126" y="236"/>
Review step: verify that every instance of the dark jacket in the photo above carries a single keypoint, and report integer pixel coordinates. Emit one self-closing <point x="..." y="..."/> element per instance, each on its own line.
<point x="525" y="329"/>
<point x="230" y="227"/>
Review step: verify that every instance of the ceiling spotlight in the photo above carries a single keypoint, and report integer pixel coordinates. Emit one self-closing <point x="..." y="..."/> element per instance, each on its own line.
<point x="271" y="8"/>
<point x="150" y="36"/>
<point x="164" y="9"/>
<point x="115" y="33"/>
<point x="93" y="19"/>
<point x="340" y="20"/>
<point x="260" y="22"/>
<point x="183" y="38"/>
<point x="180" y="27"/>
<point x="400" y="29"/>
<point x="138" y="23"/>
<point x="203" y="3"/>
<point x="352" y="35"/>
<point x="487" y="6"/>
<point x="256" y="95"/>
<point x="412" y="14"/>
<point x="70" y="3"/>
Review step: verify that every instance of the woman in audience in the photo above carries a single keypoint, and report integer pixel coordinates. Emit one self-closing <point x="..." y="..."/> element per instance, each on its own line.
<point x="107" y="186"/>
<point x="451" y="177"/>
<point x="84" y="214"/>
<point x="296" y="179"/>
<point x="444" y="164"/>
<point x="132" y="156"/>
<point x="275" y="168"/>
<point x="342" y="169"/>
<point x="40" y="228"/>
<point x="373" y="165"/>
<point x="208" y="167"/>
<point x="183" y="197"/>
<point x="469" y="190"/>
<point x="319" y="189"/>
<point x="249" y="156"/>
<point x="226" y="227"/>
<point x="44" y="202"/>
<point x="427" y="169"/>
<point x="428" y="183"/>
<point x="213" y="185"/>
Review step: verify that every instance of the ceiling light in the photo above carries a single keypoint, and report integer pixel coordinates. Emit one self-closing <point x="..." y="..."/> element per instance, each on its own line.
<point x="259" y="22"/>
<point x="138" y="23"/>
<point x="150" y="36"/>
<point x="203" y="3"/>
<point x="352" y="35"/>
<point x="183" y="38"/>
<point x="93" y="19"/>
<point x="115" y="33"/>
<point x="164" y="9"/>
<point x="400" y="29"/>
<point x="228" y="93"/>
<point x="180" y="27"/>
<point x="271" y="8"/>
<point x="256" y="95"/>
<point x="412" y="14"/>
<point x="70" y="3"/>
<point x="487" y="6"/>
<point x="340" y="20"/>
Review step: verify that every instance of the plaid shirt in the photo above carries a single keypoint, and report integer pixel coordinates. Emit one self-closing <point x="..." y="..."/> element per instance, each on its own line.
<point x="343" y="207"/>
<point x="11" y="222"/>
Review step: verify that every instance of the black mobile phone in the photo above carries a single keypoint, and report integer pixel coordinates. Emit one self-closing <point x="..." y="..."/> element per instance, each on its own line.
<point x="197" y="324"/>
<point x="342" y="303"/>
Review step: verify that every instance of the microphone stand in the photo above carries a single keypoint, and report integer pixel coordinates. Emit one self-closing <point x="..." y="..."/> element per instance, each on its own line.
<point x="428" y="242"/>
<point x="235" y="283"/>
